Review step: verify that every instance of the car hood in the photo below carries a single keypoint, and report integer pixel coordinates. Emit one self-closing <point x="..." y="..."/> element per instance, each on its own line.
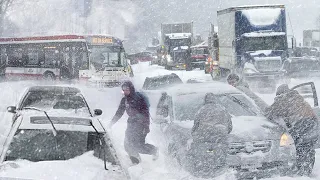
<point x="253" y="128"/>
<point x="83" y="167"/>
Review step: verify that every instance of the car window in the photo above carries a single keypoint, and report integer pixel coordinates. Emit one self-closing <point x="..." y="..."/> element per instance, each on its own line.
<point x="238" y="105"/>
<point x="50" y="100"/>
<point x="187" y="105"/>
<point x="41" y="145"/>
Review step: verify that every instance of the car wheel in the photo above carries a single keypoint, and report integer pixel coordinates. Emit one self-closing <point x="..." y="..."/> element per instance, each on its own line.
<point x="49" y="76"/>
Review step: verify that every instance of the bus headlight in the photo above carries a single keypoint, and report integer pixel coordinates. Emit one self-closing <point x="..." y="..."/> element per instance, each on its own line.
<point x="286" y="140"/>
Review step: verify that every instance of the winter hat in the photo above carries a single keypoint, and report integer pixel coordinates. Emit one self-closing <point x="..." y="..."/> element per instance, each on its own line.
<point x="128" y="84"/>
<point x="283" y="88"/>
<point x="232" y="77"/>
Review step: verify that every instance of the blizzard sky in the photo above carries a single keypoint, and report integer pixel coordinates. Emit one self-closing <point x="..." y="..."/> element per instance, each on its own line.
<point x="302" y="15"/>
<point x="138" y="21"/>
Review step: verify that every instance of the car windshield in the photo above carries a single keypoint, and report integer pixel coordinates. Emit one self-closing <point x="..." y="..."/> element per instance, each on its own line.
<point x="187" y="105"/>
<point x="48" y="100"/>
<point x="41" y="145"/>
<point x="238" y="105"/>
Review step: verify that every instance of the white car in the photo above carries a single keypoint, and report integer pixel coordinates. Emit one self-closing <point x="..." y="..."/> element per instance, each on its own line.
<point x="55" y="135"/>
<point x="257" y="147"/>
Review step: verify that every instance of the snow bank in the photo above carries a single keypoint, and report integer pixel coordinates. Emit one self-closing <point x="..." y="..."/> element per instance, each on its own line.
<point x="83" y="167"/>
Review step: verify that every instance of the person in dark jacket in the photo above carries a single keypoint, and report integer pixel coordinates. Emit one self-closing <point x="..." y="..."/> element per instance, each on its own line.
<point x="208" y="149"/>
<point x="302" y="123"/>
<point x="137" y="107"/>
<point x="235" y="81"/>
<point x="209" y="115"/>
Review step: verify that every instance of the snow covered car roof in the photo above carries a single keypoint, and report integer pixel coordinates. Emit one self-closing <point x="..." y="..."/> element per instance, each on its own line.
<point x="56" y="89"/>
<point x="214" y="87"/>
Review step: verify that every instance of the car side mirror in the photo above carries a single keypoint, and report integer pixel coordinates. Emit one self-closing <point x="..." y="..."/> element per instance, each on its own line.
<point x="97" y="112"/>
<point x="12" y="109"/>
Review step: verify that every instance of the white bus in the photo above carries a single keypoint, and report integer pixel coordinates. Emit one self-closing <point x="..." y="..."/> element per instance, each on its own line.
<point x="45" y="57"/>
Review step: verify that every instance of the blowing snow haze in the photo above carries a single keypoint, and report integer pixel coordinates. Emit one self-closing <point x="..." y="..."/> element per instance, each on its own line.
<point x="138" y="21"/>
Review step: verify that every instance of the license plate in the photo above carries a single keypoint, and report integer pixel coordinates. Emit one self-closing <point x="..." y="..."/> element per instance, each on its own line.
<point x="251" y="163"/>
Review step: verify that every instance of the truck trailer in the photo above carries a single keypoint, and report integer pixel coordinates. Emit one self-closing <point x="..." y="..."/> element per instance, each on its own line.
<point x="253" y="42"/>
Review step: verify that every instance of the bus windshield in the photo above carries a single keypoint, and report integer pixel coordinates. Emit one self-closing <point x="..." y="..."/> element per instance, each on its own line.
<point x="104" y="56"/>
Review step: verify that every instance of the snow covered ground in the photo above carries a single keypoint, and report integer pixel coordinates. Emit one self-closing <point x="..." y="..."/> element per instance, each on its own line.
<point x="108" y="100"/>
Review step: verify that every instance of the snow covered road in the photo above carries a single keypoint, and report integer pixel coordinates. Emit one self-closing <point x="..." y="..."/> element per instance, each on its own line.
<point x="108" y="100"/>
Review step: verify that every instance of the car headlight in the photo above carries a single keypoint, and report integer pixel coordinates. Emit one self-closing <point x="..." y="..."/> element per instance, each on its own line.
<point x="215" y="63"/>
<point x="286" y="140"/>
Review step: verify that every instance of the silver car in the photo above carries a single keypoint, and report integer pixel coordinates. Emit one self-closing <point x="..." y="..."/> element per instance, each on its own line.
<point x="256" y="147"/>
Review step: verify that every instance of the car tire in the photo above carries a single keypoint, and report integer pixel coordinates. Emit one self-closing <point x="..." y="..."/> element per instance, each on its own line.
<point x="49" y="76"/>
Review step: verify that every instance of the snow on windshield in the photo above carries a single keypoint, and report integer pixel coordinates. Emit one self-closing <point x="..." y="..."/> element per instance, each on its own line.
<point x="187" y="105"/>
<point x="49" y="101"/>
<point x="264" y="16"/>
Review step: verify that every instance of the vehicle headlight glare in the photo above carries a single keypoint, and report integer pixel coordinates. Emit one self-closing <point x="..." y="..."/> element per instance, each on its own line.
<point x="286" y="140"/>
<point x="215" y="63"/>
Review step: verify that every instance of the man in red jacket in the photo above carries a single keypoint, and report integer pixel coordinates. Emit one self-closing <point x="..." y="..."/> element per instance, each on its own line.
<point x="137" y="107"/>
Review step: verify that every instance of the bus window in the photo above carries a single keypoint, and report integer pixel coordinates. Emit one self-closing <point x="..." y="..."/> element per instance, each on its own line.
<point x="33" y="56"/>
<point x="3" y="56"/>
<point x="51" y="57"/>
<point x="123" y="59"/>
<point x="15" y="56"/>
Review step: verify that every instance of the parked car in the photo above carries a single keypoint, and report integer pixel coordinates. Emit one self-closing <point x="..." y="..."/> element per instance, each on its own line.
<point x="302" y="67"/>
<point x="141" y="57"/>
<point x="54" y="124"/>
<point x="256" y="146"/>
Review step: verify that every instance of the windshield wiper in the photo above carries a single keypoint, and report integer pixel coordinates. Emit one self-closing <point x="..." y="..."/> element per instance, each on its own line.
<point x="54" y="130"/>
<point x="234" y="99"/>
<point x="101" y="144"/>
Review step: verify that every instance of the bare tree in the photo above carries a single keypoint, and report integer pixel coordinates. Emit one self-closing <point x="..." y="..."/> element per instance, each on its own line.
<point x="4" y="6"/>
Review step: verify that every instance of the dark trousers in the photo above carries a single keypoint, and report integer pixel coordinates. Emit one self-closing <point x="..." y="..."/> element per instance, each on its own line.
<point x="135" y="141"/>
<point x="304" y="138"/>
<point x="305" y="156"/>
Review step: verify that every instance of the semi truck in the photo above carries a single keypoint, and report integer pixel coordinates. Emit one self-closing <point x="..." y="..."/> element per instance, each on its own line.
<point x="176" y="39"/>
<point x="253" y="42"/>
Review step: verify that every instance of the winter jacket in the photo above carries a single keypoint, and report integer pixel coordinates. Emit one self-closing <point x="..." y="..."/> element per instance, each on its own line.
<point x="296" y="112"/>
<point x="242" y="83"/>
<point x="210" y="117"/>
<point x="137" y="107"/>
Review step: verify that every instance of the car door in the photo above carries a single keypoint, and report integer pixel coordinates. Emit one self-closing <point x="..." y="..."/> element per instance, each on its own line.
<point x="309" y="93"/>
<point x="163" y="112"/>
